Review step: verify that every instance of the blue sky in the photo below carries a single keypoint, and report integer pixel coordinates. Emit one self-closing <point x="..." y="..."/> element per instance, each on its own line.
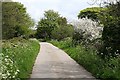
<point x="67" y="8"/>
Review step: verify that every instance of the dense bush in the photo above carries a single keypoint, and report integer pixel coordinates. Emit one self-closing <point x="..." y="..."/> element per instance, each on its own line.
<point x="86" y="31"/>
<point x="18" y="57"/>
<point x="62" y="32"/>
<point x="111" y="31"/>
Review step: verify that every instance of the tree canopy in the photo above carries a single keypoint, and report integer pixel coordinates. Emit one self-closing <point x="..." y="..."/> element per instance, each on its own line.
<point x="53" y="26"/>
<point x="93" y="13"/>
<point x="15" y="20"/>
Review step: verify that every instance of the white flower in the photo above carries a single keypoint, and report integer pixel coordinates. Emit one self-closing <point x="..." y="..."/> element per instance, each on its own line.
<point x="16" y="73"/>
<point x="6" y="60"/>
<point x="6" y="56"/>
<point x="18" y="70"/>
<point x="13" y="77"/>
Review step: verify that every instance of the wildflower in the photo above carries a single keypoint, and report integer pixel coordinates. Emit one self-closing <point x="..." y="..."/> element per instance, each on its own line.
<point x="13" y="77"/>
<point x="101" y="53"/>
<point x="18" y="70"/>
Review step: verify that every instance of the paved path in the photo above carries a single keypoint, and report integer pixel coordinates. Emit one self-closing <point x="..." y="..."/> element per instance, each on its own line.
<point x="52" y="62"/>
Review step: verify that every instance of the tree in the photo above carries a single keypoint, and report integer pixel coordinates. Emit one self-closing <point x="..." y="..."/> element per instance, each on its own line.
<point x="52" y="26"/>
<point x="51" y="15"/>
<point x="63" y="30"/>
<point x="15" y="20"/>
<point x="47" y="24"/>
<point x="103" y="2"/>
<point x="93" y="13"/>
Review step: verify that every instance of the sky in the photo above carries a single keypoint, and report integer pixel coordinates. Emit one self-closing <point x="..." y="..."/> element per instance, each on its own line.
<point x="66" y="8"/>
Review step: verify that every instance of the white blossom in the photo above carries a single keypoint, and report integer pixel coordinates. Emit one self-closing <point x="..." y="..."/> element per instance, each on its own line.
<point x="88" y="26"/>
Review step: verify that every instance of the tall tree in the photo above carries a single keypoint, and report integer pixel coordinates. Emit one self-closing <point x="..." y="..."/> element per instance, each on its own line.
<point x="15" y="20"/>
<point x="47" y="24"/>
<point x="53" y="26"/>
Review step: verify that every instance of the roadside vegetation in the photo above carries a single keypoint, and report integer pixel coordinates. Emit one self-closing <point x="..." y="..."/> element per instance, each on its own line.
<point x="18" y="51"/>
<point x="104" y="69"/>
<point x="18" y="57"/>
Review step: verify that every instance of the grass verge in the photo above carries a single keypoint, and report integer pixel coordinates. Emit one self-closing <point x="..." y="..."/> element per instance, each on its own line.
<point x="18" y="57"/>
<point x="88" y="58"/>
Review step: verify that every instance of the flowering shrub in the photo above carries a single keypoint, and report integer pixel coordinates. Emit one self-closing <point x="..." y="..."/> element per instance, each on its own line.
<point x="87" y="29"/>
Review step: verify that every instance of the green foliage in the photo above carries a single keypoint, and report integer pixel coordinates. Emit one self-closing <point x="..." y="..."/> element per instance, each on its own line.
<point x="51" y="15"/>
<point x="52" y="26"/>
<point x="93" y="13"/>
<point x="111" y="31"/>
<point x="63" y="44"/>
<point x="20" y="55"/>
<point x="32" y="33"/>
<point x="47" y="24"/>
<point x="63" y="30"/>
<point x="103" y="69"/>
<point x="44" y="28"/>
<point x="15" y="20"/>
<point x="78" y="37"/>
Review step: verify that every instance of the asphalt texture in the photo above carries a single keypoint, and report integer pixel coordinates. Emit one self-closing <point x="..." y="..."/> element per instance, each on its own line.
<point x="53" y="62"/>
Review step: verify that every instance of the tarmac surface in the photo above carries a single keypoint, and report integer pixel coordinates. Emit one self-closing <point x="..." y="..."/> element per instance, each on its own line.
<point x="53" y="62"/>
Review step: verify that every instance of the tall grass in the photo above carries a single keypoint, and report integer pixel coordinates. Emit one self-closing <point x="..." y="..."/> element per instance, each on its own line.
<point x="88" y="58"/>
<point x="18" y="57"/>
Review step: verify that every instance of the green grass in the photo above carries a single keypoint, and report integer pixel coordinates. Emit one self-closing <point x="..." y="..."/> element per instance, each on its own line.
<point x="23" y="54"/>
<point x="88" y="58"/>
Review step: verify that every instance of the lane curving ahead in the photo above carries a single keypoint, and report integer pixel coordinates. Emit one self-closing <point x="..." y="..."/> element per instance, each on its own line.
<point x="52" y="62"/>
